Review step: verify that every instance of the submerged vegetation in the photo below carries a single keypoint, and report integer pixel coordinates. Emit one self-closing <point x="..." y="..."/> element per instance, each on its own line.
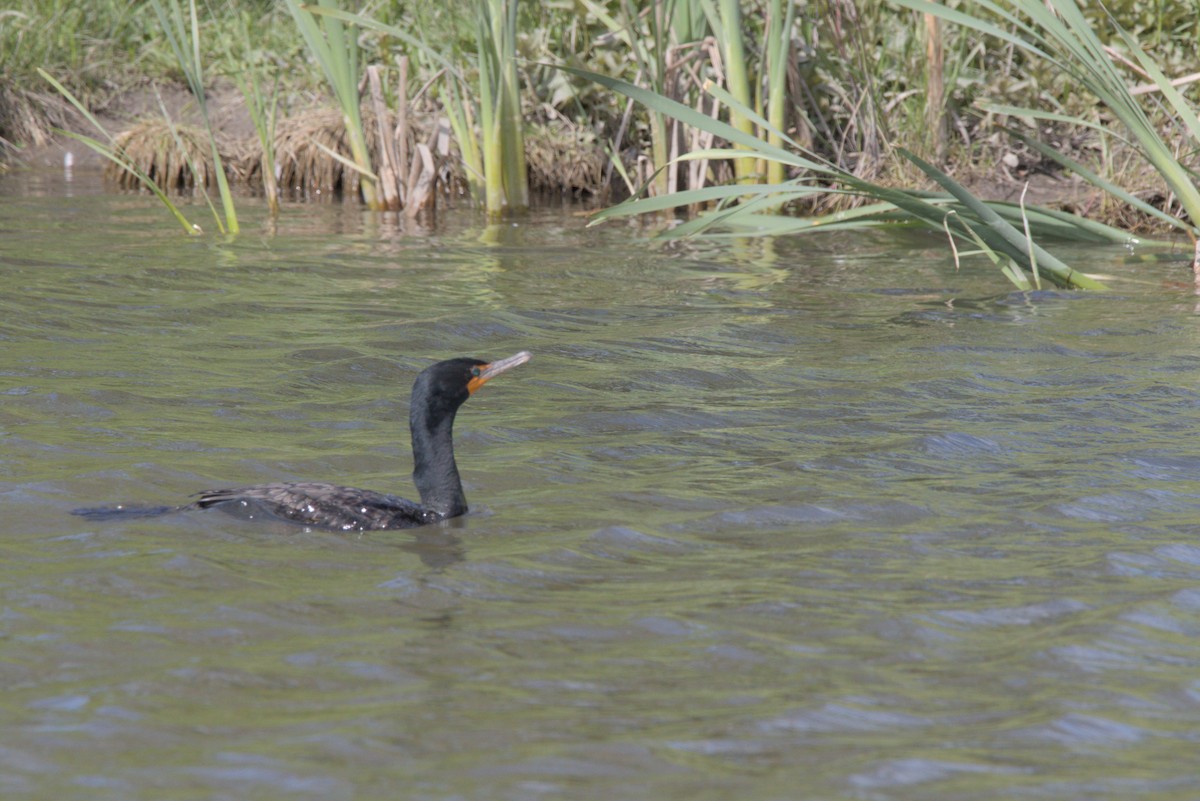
<point x="746" y="114"/>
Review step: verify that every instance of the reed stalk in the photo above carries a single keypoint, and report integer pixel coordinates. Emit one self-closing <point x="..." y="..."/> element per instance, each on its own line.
<point x="935" y="86"/>
<point x="656" y="62"/>
<point x="492" y="113"/>
<point x="737" y="82"/>
<point x="264" y="115"/>
<point x="112" y="152"/>
<point x="180" y="35"/>
<point x="510" y="120"/>
<point x="337" y="54"/>
<point x="495" y="160"/>
<point x="779" y="41"/>
<point x="955" y="210"/>
<point x="1058" y="32"/>
<point x="651" y="55"/>
<point x="389" y="160"/>
<point x="401" y="133"/>
<point x="462" y="122"/>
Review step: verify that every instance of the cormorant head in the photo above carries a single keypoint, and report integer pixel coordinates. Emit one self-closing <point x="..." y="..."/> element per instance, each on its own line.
<point x="445" y="386"/>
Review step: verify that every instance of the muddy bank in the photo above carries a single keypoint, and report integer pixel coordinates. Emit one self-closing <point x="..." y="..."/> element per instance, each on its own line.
<point x="559" y="161"/>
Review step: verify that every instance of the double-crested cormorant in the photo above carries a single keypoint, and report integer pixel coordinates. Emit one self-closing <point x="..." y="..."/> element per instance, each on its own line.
<point x="436" y="395"/>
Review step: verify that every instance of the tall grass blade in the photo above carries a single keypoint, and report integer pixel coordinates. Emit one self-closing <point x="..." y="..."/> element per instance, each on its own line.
<point x="1031" y="254"/>
<point x="974" y="219"/>
<point x="1064" y="226"/>
<point x="779" y="42"/>
<point x="1006" y="238"/>
<point x="176" y="31"/>
<point x="338" y="57"/>
<point x="197" y="175"/>
<point x="738" y="81"/>
<point x="263" y="115"/>
<point x="489" y="111"/>
<point x="1098" y="181"/>
<point x="1007" y="267"/>
<point x="1059" y="32"/>
<point x="1185" y="112"/>
<point x="510" y="122"/>
<point x="458" y="112"/>
<point x="110" y="152"/>
<point x="349" y="164"/>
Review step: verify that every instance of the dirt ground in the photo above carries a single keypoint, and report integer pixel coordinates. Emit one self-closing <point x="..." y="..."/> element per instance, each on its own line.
<point x="226" y="109"/>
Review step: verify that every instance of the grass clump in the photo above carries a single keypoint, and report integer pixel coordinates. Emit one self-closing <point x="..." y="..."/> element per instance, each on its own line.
<point x="176" y="157"/>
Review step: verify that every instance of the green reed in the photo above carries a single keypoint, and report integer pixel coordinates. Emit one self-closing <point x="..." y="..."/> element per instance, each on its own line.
<point x="1058" y="32"/>
<point x="184" y="39"/>
<point x="779" y="40"/>
<point x="956" y="211"/>
<point x="654" y="40"/>
<point x="263" y="111"/>
<point x="495" y="161"/>
<point x="113" y="153"/>
<point x="737" y="82"/>
<point x="502" y="139"/>
<point x="337" y="54"/>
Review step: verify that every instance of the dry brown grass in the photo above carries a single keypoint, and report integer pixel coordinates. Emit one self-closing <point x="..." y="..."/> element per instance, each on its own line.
<point x="153" y="149"/>
<point x="305" y="170"/>
<point x="26" y="118"/>
<point x="561" y="158"/>
<point x="564" y="158"/>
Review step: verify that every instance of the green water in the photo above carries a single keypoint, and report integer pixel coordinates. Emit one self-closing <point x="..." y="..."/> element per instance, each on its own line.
<point x="818" y="518"/>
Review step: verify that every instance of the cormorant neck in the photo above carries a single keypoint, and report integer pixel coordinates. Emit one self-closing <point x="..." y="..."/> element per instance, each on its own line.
<point x="434" y="470"/>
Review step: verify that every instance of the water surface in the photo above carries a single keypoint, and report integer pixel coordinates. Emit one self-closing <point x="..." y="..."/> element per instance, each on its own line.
<point x="813" y="518"/>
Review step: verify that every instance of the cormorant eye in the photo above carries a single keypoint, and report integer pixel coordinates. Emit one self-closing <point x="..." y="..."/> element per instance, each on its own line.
<point x="475" y="372"/>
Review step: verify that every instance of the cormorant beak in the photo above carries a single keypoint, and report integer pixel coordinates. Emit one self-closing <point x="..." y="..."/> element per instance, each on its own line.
<point x="489" y="371"/>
